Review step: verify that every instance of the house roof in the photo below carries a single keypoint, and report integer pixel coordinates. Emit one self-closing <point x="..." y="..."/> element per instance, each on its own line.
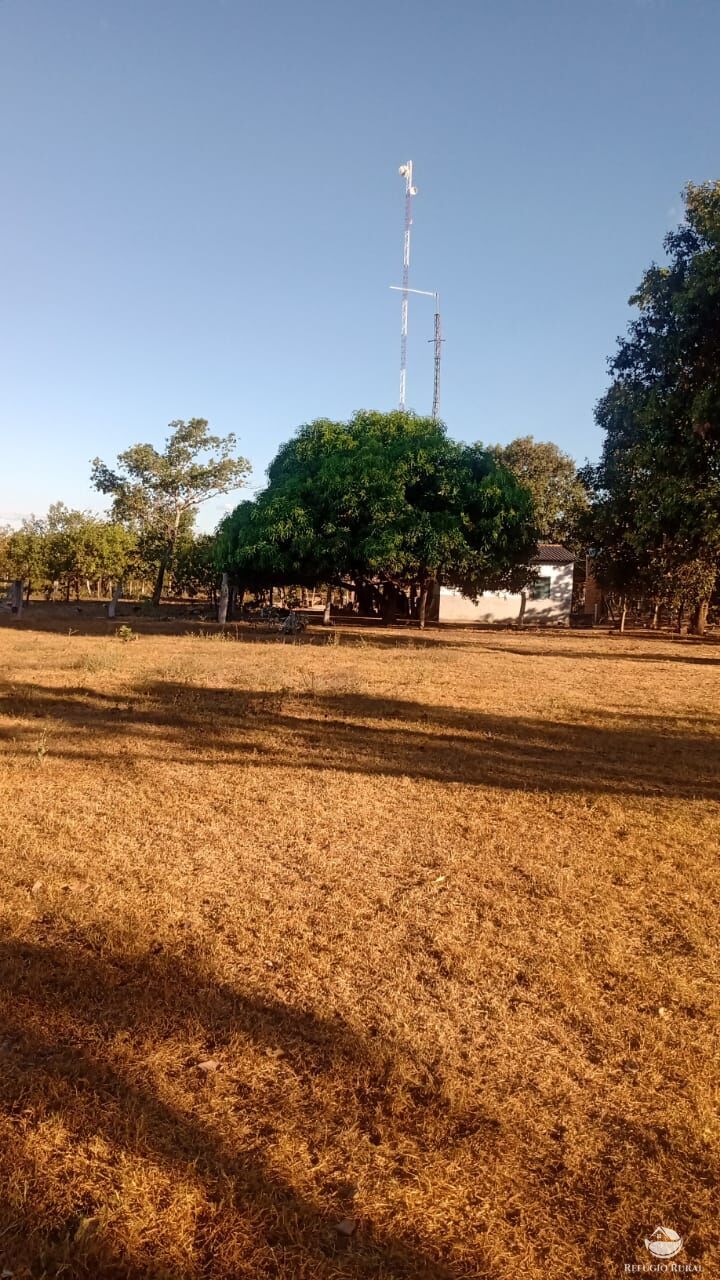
<point x="552" y="553"/>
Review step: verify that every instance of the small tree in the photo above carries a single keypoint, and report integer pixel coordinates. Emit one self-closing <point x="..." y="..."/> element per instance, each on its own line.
<point x="25" y="554"/>
<point x="69" y="538"/>
<point x="158" y="493"/>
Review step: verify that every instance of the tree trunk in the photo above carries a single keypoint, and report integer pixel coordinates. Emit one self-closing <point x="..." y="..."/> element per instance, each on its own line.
<point x="223" y="601"/>
<point x="655" y="616"/>
<point x="160" y="580"/>
<point x="422" y="603"/>
<point x="28" y="591"/>
<point x="328" y="606"/>
<point x="166" y="561"/>
<point x="623" y="615"/>
<point x="16" y="603"/>
<point x="698" y="622"/>
<point x="113" y="603"/>
<point x="523" y="606"/>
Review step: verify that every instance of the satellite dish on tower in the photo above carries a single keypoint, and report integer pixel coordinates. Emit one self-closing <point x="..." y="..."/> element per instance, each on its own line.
<point x="405" y="171"/>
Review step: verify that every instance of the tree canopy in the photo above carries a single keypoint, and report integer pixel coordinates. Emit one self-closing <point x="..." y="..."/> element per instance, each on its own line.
<point x="558" y="492"/>
<point x="386" y="498"/>
<point x="65" y="548"/>
<point x="157" y="493"/>
<point x="656" y="509"/>
<point x="194" y="569"/>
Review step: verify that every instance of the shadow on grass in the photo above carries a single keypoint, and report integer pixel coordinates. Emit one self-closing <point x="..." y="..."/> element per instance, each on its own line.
<point x="697" y="653"/>
<point x="357" y="733"/>
<point x="97" y="1040"/>
<point x="370" y="633"/>
<point x="89" y="619"/>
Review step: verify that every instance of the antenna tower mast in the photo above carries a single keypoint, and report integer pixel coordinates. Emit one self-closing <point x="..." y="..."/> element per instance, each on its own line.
<point x="406" y="172"/>
<point x="438" y="341"/>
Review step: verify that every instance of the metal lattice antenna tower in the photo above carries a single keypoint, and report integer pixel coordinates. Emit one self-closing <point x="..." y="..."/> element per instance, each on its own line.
<point x="438" y="341"/>
<point x="406" y="172"/>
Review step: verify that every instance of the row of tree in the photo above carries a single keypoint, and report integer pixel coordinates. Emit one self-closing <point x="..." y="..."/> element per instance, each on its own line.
<point x="150" y="530"/>
<point x="67" y="553"/>
<point x="382" y="504"/>
<point x="386" y="503"/>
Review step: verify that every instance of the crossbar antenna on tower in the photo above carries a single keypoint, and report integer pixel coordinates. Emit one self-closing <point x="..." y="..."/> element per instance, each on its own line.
<point x="406" y="172"/>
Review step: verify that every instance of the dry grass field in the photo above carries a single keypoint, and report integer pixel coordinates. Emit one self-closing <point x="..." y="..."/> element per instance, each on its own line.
<point x="365" y="957"/>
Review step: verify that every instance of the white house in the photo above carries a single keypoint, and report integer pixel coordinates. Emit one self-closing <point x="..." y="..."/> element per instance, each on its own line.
<point x="547" y="600"/>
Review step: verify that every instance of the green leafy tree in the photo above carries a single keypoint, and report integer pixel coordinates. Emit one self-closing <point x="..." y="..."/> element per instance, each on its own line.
<point x="557" y="488"/>
<point x="194" y="569"/>
<point x="658" y="481"/>
<point x="25" y="554"/>
<point x="157" y="493"/>
<point x="66" y="546"/>
<point x="387" y="503"/>
<point x="83" y="547"/>
<point x="68" y="538"/>
<point x="113" y="551"/>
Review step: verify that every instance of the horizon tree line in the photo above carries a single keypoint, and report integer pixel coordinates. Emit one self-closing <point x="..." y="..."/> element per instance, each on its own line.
<point x="386" y="503"/>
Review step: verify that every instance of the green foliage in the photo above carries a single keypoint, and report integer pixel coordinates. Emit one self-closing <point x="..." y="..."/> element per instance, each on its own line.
<point x="83" y="546"/>
<point x="655" y="521"/>
<point x="67" y="547"/>
<point x="25" y="553"/>
<point x="150" y="487"/>
<point x="383" y="497"/>
<point x="557" y="488"/>
<point x="157" y="493"/>
<point x="194" y="571"/>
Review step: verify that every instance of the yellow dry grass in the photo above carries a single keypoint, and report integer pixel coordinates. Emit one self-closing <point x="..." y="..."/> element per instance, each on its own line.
<point x="373" y="958"/>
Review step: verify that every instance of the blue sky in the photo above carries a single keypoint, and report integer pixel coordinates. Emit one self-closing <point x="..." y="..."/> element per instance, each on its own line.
<point x="202" y="213"/>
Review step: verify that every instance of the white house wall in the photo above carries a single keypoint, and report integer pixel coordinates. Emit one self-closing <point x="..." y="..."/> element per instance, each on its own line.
<point x="497" y="606"/>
